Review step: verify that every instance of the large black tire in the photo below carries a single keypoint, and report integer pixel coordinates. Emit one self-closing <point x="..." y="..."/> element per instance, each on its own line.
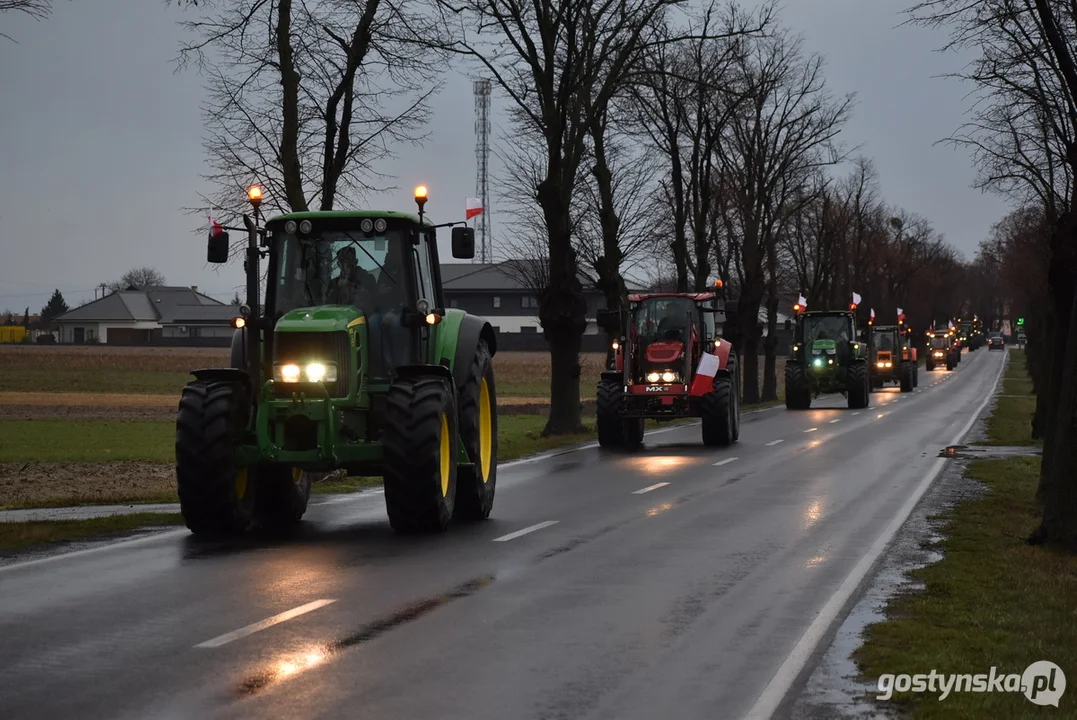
<point x="634" y="429"/>
<point x="476" y="483"/>
<point x="611" y="426"/>
<point x="216" y="497"/>
<point x="949" y="363"/>
<point x="906" y="377"/>
<point x="858" y="391"/>
<point x="929" y="366"/>
<point x="282" y="496"/>
<point x="421" y="441"/>
<point x="717" y="408"/>
<point x="797" y="393"/>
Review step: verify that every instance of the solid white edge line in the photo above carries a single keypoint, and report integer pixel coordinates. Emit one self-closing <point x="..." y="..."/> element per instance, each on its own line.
<point x="649" y="488"/>
<point x="525" y="531"/>
<point x="724" y="462"/>
<point x="263" y="624"/>
<point x="774" y="693"/>
<point x="94" y="550"/>
<point x="774" y="442"/>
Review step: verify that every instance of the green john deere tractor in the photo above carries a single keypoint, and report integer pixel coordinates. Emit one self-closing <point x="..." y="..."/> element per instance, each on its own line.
<point x="350" y="362"/>
<point x="826" y="357"/>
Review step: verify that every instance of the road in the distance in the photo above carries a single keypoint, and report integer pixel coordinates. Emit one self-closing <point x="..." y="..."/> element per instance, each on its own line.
<point x="673" y="582"/>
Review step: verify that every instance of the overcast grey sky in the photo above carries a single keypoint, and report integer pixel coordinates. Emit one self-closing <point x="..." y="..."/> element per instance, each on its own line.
<point x="100" y="141"/>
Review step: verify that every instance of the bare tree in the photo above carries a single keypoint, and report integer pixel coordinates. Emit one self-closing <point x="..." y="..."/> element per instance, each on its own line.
<point x="139" y="277"/>
<point x="305" y="98"/>
<point x="561" y="64"/>
<point x="1026" y="69"/>
<point x="772" y="143"/>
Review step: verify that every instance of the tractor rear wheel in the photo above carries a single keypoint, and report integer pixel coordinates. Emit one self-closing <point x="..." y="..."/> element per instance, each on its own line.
<point x="476" y="483"/>
<point x="906" y="377"/>
<point x="421" y="442"/>
<point x="797" y="393"/>
<point x="216" y="497"/>
<point x="718" y="408"/>
<point x="858" y="394"/>
<point x="634" y="429"/>
<point x="611" y="425"/>
<point x="282" y="496"/>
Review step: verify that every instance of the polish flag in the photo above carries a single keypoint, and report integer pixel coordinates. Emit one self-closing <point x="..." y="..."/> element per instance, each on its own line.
<point x="949" y="325"/>
<point x="703" y="382"/>
<point x="473" y="207"/>
<point x="901" y="314"/>
<point x="802" y="301"/>
<point x="873" y="314"/>
<point x="856" y="299"/>
<point x="215" y="228"/>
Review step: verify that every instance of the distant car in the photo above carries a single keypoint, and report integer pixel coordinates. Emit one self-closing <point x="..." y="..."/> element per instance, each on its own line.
<point x="995" y="341"/>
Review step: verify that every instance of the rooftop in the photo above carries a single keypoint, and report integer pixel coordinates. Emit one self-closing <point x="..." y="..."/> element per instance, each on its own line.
<point x="167" y="305"/>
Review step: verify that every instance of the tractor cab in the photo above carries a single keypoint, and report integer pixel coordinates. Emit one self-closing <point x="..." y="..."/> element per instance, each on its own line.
<point x="891" y="357"/>
<point x="665" y="334"/>
<point x="824" y="338"/>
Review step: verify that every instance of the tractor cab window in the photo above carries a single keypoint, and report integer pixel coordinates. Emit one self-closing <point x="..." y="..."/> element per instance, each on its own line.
<point x="939" y="342"/>
<point x="665" y="319"/>
<point x="833" y="327"/>
<point x="884" y="341"/>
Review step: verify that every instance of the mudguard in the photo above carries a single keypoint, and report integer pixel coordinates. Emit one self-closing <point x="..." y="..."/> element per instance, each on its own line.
<point x="472" y="329"/>
<point x="407" y="371"/>
<point x="238" y="356"/>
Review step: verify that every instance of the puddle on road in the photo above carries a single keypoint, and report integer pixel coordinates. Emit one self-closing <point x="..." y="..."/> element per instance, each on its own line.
<point x="989" y="451"/>
<point x="294" y="664"/>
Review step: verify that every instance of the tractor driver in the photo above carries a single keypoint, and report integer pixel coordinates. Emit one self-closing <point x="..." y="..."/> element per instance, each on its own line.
<point x="353" y="285"/>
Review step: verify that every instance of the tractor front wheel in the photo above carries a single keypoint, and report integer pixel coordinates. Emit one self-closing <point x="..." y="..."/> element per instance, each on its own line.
<point x="949" y="363"/>
<point x="858" y="392"/>
<point x="282" y="497"/>
<point x="611" y="425"/>
<point x="216" y="497"/>
<point x="475" y="483"/>
<point x="421" y="442"/>
<point x="718" y="408"/>
<point x="797" y="392"/>
<point x="906" y="377"/>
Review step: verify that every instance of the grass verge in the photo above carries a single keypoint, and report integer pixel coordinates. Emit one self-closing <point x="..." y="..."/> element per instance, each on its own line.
<point x="21" y="535"/>
<point x="86" y="441"/>
<point x="992" y="600"/>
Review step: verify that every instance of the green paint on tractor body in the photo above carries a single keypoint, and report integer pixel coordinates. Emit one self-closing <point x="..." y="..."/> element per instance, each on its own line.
<point x="827" y="357"/>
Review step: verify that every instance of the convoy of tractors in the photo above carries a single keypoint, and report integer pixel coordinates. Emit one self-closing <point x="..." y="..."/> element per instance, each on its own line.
<point x="344" y="357"/>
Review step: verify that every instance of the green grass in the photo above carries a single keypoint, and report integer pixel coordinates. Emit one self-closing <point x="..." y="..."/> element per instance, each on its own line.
<point x="531" y="388"/>
<point x="80" y="441"/>
<point x="126" y="382"/>
<point x="992" y="600"/>
<point x="1011" y="421"/>
<point x="22" y="535"/>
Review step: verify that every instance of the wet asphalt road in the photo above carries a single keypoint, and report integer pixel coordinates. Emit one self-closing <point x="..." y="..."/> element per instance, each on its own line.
<point x="673" y="582"/>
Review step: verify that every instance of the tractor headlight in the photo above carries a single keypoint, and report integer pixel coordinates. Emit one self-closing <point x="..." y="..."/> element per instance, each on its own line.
<point x="880" y="364"/>
<point x="889" y="365"/>
<point x="312" y="372"/>
<point x="653" y="377"/>
<point x="818" y="361"/>
<point x="668" y="376"/>
<point x="616" y="345"/>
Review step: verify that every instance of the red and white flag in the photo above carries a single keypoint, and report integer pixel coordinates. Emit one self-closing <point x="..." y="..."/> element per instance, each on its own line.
<point x="472" y="207"/>
<point x="704" y="380"/>
<point x="215" y="228"/>
<point x="901" y="314"/>
<point x="873" y="314"/>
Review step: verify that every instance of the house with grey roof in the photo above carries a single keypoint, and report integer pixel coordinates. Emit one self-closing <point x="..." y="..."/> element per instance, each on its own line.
<point x="166" y="315"/>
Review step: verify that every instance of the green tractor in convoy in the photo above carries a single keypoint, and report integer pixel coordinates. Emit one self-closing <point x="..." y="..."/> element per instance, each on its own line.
<point x="827" y="357"/>
<point x="351" y="362"/>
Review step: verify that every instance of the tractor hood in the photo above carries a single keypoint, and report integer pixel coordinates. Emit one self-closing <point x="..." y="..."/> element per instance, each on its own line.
<point x="324" y="318"/>
<point x="823" y="346"/>
<point x="665" y="351"/>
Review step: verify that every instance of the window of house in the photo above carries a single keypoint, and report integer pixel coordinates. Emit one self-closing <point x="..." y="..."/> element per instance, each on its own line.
<point x="497" y="301"/>
<point x="196" y="332"/>
<point x="529" y="302"/>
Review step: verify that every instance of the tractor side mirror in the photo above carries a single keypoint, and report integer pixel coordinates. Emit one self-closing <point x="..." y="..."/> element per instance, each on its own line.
<point x="609" y="320"/>
<point x="217" y="248"/>
<point x="463" y="243"/>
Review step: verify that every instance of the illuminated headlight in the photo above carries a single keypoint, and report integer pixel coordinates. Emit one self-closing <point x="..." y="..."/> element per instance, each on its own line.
<point x="880" y="364"/>
<point x="819" y="361"/>
<point x="668" y="376"/>
<point x="653" y="377"/>
<point x="616" y="344"/>
<point x="312" y="372"/>
<point x="889" y="365"/>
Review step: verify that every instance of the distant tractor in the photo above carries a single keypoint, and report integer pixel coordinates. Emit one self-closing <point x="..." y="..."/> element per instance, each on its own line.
<point x="670" y="362"/>
<point x="941" y="350"/>
<point x="827" y="357"/>
<point x="892" y="357"/>
<point x="349" y="362"/>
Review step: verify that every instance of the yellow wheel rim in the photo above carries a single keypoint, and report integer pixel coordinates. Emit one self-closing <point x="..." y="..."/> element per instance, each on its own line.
<point x="486" y="430"/>
<point x="445" y="450"/>
<point x="241" y="483"/>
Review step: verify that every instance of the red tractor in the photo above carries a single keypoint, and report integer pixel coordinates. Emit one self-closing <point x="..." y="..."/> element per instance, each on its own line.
<point x="670" y="362"/>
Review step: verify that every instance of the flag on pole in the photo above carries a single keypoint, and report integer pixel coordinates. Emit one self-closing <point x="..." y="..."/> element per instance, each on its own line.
<point x="856" y="299"/>
<point x="872" y="315"/>
<point x="901" y="314"/>
<point x="949" y="325"/>
<point x="802" y="302"/>
<point x="215" y="228"/>
<point x="473" y="207"/>
<point x="704" y="380"/>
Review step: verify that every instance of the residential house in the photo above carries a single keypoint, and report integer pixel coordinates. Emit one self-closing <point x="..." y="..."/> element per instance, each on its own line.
<point x="164" y="315"/>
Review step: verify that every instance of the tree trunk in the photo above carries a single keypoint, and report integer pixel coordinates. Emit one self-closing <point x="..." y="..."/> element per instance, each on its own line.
<point x="289" y="137"/>
<point x="749" y="334"/>
<point x="1058" y="469"/>
<point x="608" y="266"/>
<point x="562" y="310"/>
